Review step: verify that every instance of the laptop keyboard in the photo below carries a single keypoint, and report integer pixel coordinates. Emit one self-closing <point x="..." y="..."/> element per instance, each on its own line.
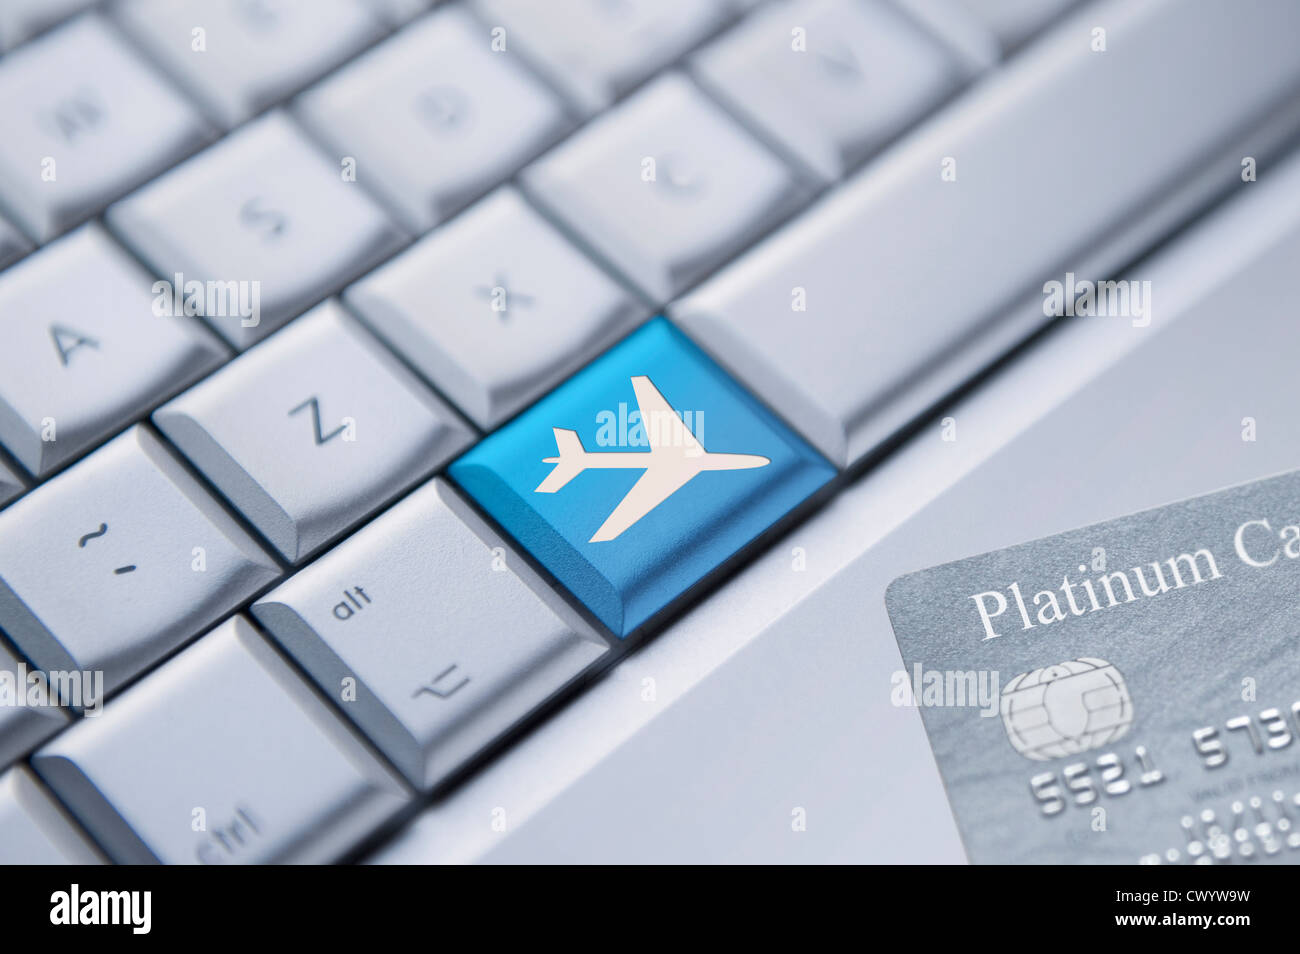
<point x="409" y="99"/>
<point x="330" y="469"/>
<point x="262" y="205"/>
<point x="85" y="121"/>
<point x="450" y="212"/>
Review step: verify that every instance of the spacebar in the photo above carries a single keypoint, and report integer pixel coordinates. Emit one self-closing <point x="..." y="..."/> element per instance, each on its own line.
<point x="898" y="286"/>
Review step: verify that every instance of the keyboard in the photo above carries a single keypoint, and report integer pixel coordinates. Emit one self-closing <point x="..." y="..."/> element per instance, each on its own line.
<point x="375" y="375"/>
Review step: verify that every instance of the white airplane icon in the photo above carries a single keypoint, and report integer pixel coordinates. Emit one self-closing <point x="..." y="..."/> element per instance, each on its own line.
<point x="675" y="456"/>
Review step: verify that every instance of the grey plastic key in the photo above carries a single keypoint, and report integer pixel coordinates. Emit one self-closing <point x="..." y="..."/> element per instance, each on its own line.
<point x="85" y="120"/>
<point x="433" y="117"/>
<point x="11" y="485"/>
<point x="906" y="274"/>
<point x="226" y="734"/>
<point x="966" y="37"/>
<point x="237" y="57"/>
<point x="666" y="186"/>
<point x="312" y="430"/>
<point x="28" y="715"/>
<point x="397" y="12"/>
<point x="34" y="830"/>
<point x="263" y="221"/>
<point x="1015" y="21"/>
<point x="495" y="308"/>
<point x="598" y="50"/>
<point x="70" y="374"/>
<point x="119" y="560"/>
<point x="13" y="244"/>
<point x="22" y="19"/>
<point x="430" y="632"/>
<point x="828" y="80"/>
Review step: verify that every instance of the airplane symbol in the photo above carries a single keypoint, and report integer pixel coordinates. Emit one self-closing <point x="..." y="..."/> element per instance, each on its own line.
<point x="675" y="456"/>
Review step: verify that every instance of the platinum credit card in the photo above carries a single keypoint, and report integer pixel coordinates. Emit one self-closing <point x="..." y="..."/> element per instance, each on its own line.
<point x="1127" y="692"/>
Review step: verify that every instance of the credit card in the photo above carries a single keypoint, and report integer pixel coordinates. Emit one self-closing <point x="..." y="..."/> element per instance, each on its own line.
<point x="1126" y="692"/>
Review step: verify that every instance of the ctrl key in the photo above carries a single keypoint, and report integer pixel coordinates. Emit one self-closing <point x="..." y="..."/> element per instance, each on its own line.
<point x="222" y="755"/>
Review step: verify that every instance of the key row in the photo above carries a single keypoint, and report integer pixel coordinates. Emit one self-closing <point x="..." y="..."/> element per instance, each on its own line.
<point x="263" y="225"/>
<point x="87" y="118"/>
<point x="22" y="19"/>
<point x="847" y="352"/>
<point x="494" y="309"/>
<point x="106" y="117"/>
<point x="227" y="734"/>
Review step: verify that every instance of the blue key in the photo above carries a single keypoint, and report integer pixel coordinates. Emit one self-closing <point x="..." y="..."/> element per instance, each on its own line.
<point x="640" y="475"/>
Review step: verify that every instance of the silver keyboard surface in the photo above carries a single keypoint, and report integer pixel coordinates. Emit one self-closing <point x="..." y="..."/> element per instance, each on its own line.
<point x="267" y="266"/>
